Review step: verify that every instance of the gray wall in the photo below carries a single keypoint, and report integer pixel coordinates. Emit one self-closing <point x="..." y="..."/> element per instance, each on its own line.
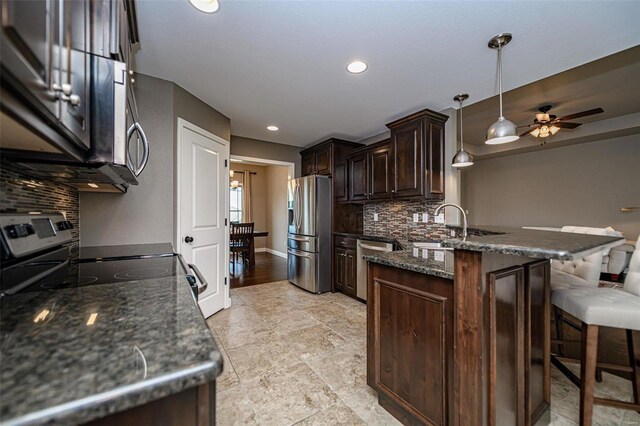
<point x="146" y="213"/>
<point x="584" y="184"/>
<point x="255" y="148"/>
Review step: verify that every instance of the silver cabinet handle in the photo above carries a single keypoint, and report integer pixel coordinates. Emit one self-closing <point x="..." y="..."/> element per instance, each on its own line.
<point x="136" y="127"/>
<point x="203" y="287"/>
<point x="375" y="248"/>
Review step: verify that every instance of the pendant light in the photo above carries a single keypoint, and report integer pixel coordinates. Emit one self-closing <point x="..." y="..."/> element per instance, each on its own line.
<point x="503" y="130"/>
<point x="462" y="157"/>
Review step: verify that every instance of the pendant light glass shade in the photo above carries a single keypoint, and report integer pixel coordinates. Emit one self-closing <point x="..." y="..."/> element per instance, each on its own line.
<point x="462" y="157"/>
<point x="503" y="130"/>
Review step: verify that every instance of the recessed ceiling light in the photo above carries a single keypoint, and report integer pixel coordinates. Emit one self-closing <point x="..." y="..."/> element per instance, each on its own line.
<point x="206" y="6"/>
<point x="356" y="67"/>
<point x="272" y="128"/>
<point x="235" y="160"/>
<point x="93" y="185"/>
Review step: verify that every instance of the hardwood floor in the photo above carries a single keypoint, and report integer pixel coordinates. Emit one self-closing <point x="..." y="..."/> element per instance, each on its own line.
<point x="268" y="268"/>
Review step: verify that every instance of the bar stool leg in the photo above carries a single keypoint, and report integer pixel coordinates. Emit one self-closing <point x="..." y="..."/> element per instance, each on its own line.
<point x="634" y="359"/>
<point x="588" y="372"/>
<point x="557" y="316"/>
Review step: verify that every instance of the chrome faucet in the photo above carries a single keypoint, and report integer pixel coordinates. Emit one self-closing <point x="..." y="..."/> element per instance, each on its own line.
<point x="464" y="216"/>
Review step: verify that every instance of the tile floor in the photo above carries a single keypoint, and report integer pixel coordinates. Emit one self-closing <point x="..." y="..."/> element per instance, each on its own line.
<point x="291" y="357"/>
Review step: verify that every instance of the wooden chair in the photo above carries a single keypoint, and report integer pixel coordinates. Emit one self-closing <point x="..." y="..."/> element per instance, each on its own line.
<point x="603" y="307"/>
<point x="240" y="242"/>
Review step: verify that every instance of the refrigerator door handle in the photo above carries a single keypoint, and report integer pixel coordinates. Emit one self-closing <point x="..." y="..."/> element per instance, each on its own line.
<point x="298" y="207"/>
<point x="299" y="253"/>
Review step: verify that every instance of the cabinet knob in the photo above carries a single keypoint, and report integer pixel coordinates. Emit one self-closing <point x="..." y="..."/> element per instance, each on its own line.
<point x="73" y="100"/>
<point x="393" y="190"/>
<point x="131" y="72"/>
<point x="133" y="81"/>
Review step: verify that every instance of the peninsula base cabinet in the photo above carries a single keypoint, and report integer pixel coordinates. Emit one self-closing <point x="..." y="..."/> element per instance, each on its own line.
<point x="195" y="406"/>
<point x="469" y="351"/>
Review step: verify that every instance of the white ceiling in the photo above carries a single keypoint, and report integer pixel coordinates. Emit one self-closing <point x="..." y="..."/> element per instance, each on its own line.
<point x="283" y="62"/>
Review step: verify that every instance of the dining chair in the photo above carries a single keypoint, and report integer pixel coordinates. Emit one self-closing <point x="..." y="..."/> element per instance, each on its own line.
<point x="240" y="242"/>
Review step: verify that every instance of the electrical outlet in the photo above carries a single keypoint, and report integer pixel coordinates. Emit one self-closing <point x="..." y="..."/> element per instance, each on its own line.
<point x="415" y="218"/>
<point x="416" y="252"/>
<point x="425" y="253"/>
<point x="425" y="217"/>
<point x="439" y="255"/>
<point x="440" y="218"/>
<point x="453" y="233"/>
<point x="375" y="217"/>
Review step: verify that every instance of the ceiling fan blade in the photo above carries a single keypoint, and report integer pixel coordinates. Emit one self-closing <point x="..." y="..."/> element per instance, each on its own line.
<point x="582" y="114"/>
<point x="527" y="132"/>
<point x="565" y="125"/>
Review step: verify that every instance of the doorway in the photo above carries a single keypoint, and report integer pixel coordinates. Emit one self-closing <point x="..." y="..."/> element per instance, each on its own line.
<point x="258" y="195"/>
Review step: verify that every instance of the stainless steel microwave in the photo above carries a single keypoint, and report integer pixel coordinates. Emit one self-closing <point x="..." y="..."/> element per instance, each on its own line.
<point x="118" y="150"/>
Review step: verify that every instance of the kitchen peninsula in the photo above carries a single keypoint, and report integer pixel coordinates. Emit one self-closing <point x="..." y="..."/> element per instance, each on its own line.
<point x="465" y="339"/>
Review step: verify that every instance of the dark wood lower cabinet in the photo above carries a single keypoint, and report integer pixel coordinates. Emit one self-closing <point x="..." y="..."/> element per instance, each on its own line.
<point x="470" y="351"/>
<point x="345" y="268"/>
<point x="192" y="407"/>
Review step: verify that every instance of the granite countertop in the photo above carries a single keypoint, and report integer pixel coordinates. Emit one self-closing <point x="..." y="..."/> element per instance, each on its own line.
<point x="531" y="243"/>
<point x="406" y="260"/>
<point x="149" y="340"/>
<point x="369" y="237"/>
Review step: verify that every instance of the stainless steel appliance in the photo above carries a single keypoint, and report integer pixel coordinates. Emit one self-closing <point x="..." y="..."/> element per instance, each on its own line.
<point x="119" y="149"/>
<point x="35" y="258"/>
<point x="309" y="237"/>
<point x="364" y="248"/>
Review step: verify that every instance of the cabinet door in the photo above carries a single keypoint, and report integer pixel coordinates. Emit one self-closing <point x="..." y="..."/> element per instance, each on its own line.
<point x="435" y="161"/>
<point x="26" y="48"/>
<point x="408" y="160"/>
<point x="350" y="272"/>
<point x="380" y="173"/>
<point x="323" y="161"/>
<point x="340" y="190"/>
<point x="74" y="68"/>
<point x="308" y="163"/>
<point x="358" y="182"/>
<point x="339" y="267"/>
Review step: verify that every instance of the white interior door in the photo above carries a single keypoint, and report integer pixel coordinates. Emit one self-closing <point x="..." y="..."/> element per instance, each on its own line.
<point x="203" y="202"/>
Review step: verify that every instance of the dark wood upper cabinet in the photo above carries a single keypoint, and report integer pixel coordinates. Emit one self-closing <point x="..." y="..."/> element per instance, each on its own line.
<point x="417" y="150"/>
<point x="358" y="176"/>
<point x="308" y="163"/>
<point x="380" y="172"/>
<point x="323" y="161"/>
<point x="407" y="159"/>
<point x="370" y="172"/>
<point x="340" y="183"/>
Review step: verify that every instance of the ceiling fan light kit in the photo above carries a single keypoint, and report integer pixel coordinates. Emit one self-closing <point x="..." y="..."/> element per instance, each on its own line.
<point x="546" y="124"/>
<point x="503" y="130"/>
<point x="462" y="157"/>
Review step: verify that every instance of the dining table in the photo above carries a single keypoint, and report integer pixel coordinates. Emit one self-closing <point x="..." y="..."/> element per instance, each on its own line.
<point x="252" y="249"/>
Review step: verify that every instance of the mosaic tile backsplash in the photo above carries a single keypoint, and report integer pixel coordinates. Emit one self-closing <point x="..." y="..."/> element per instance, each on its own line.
<point x="21" y="193"/>
<point x="395" y="219"/>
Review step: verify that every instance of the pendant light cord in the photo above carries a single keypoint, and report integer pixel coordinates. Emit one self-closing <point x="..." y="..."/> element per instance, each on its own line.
<point x="500" y="76"/>
<point x="461" y="133"/>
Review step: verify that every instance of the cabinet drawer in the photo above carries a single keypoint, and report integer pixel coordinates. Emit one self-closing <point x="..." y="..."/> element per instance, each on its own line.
<point x="346" y="242"/>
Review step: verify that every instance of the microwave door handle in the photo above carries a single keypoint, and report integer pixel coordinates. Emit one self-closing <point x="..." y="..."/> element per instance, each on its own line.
<point x="145" y="153"/>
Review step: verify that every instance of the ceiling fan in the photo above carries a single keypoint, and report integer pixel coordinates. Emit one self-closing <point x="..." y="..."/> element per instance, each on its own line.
<point x="546" y="124"/>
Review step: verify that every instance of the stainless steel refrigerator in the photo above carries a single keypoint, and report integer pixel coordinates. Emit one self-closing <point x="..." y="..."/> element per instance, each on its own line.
<point x="309" y="233"/>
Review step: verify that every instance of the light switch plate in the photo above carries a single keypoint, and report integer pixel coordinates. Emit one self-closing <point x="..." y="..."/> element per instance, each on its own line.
<point x="425" y="217"/>
<point x="425" y="253"/>
<point x="415" y="218"/>
<point x="416" y="252"/>
<point x="439" y="255"/>
<point x="440" y="218"/>
<point x="375" y="217"/>
<point x="453" y="233"/>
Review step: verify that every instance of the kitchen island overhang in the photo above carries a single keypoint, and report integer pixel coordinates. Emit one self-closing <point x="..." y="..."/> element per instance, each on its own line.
<point x="494" y="322"/>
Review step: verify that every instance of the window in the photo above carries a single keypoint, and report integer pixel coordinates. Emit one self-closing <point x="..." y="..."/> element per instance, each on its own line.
<point x="235" y="204"/>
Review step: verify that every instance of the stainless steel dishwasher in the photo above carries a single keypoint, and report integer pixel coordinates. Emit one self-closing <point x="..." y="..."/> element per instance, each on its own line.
<point x="367" y="247"/>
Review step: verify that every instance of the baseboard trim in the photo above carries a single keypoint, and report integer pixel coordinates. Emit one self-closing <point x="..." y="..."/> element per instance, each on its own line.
<point x="273" y="252"/>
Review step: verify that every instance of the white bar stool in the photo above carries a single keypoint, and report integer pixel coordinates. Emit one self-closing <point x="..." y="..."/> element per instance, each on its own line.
<point x="603" y="307"/>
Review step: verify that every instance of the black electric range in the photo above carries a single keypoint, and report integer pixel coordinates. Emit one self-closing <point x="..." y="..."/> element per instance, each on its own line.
<point x="35" y="259"/>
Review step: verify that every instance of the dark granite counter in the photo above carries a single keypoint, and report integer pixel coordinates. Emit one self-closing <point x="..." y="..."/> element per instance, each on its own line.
<point x="148" y="340"/>
<point x="370" y="238"/>
<point x="406" y="260"/>
<point x="531" y="243"/>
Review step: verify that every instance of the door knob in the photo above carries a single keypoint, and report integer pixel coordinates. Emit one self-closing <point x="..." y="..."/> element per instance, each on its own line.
<point x="188" y="239"/>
